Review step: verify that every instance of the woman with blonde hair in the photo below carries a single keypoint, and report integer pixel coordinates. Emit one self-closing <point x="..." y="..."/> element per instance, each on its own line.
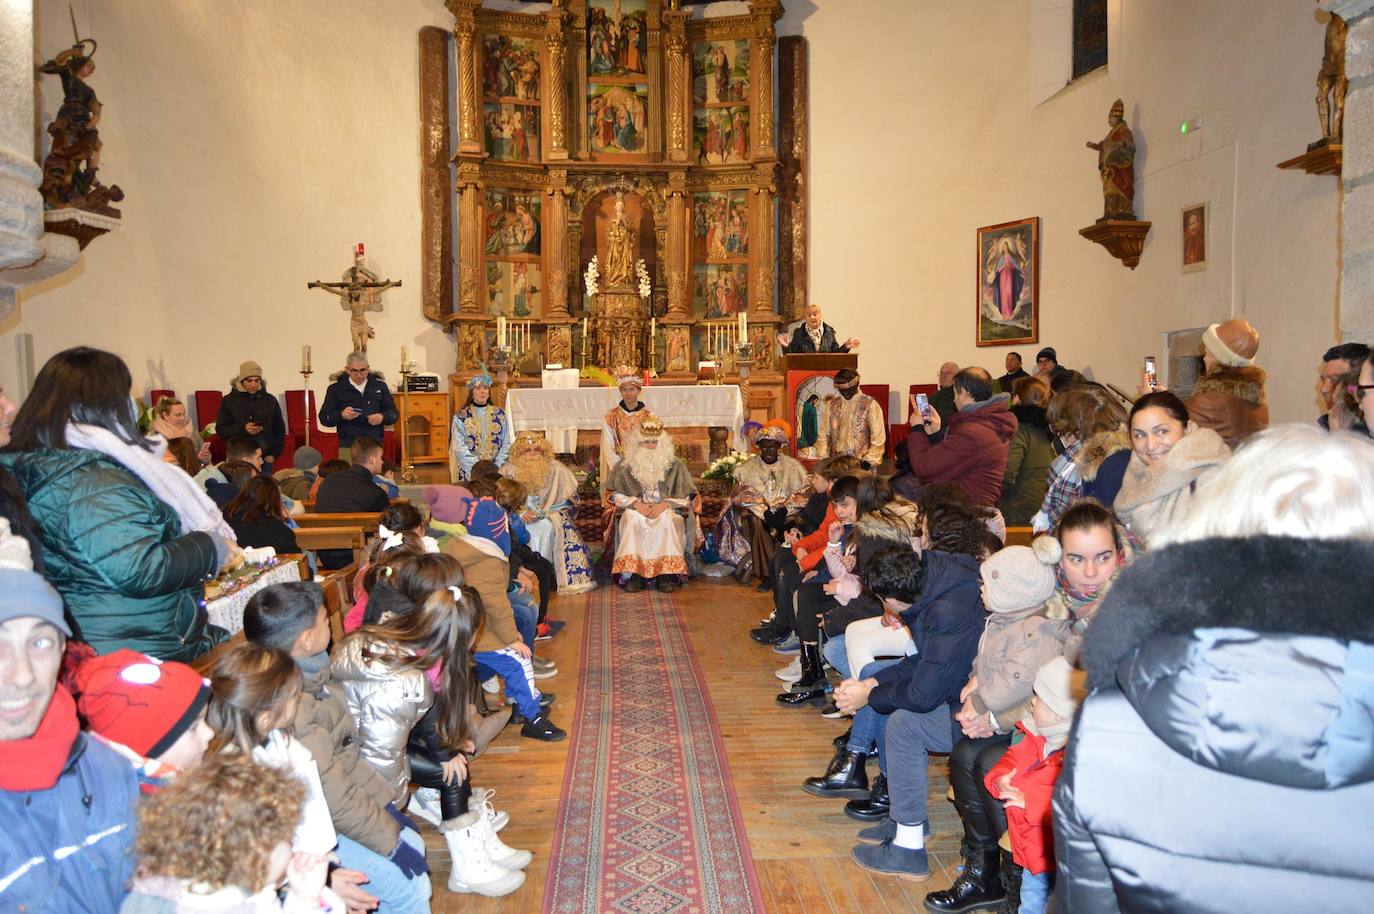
<point x="1094" y="450"/>
<point x="171" y="420"/>
<point x="1229" y="681"/>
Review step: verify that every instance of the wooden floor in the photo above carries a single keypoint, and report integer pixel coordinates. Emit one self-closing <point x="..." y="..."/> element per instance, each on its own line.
<point x="800" y="843"/>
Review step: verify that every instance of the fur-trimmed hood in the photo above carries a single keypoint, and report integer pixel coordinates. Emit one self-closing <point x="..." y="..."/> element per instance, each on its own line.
<point x="899" y="522"/>
<point x="1097" y="448"/>
<point x="1248" y="656"/>
<point x="1242" y="383"/>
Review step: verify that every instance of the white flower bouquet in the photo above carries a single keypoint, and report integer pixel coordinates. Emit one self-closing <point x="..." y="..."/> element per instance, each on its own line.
<point x="645" y="288"/>
<point x="724" y="467"/>
<point x="591" y="276"/>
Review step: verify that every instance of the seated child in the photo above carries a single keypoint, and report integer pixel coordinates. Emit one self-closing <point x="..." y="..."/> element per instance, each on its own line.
<point x="511" y="496"/>
<point x="1024" y="779"/>
<point x="328" y="468"/>
<point x="387" y="479"/>
<point x="218" y="838"/>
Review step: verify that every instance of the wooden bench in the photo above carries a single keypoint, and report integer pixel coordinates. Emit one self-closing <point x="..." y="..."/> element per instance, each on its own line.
<point x="367" y="521"/>
<point x="317" y="538"/>
<point x="1019" y="536"/>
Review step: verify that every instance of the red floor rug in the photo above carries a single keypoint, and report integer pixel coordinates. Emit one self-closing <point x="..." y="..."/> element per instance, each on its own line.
<point x="648" y="822"/>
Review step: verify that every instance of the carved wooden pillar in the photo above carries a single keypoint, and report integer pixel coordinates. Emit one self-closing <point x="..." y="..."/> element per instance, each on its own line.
<point x="765" y="13"/>
<point x="577" y="141"/>
<point x="469" y="78"/>
<point x="676" y="273"/>
<point x="556" y="226"/>
<point x="436" y="206"/>
<point x="793" y="140"/>
<point x="555" y="43"/>
<point x="676" y="68"/>
<point x="470" y="279"/>
<point x="761" y="243"/>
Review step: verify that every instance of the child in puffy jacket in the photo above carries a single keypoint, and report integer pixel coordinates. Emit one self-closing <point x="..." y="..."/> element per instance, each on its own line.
<point x="1024" y="779"/>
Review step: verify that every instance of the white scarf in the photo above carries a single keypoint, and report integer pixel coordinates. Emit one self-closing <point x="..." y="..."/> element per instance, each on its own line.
<point x="169" y="483"/>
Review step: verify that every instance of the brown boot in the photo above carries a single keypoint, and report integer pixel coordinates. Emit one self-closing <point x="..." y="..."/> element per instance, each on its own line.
<point x="485" y="728"/>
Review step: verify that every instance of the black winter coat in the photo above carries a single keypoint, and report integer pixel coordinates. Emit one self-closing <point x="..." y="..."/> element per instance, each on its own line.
<point x="375" y="398"/>
<point x="346" y="492"/>
<point x="801" y="340"/>
<point x="1224" y="759"/>
<point x="240" y="407"/>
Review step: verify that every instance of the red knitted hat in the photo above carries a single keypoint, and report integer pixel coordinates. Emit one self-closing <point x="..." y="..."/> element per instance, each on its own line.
<point x="140" y="702"/>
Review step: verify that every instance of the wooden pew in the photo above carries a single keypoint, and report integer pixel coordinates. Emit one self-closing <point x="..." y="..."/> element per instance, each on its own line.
<point x="1019" y="536"/>
<point x="340" y="537"/>
<point x="367" y="521"/>
<point x="206" y="661"/>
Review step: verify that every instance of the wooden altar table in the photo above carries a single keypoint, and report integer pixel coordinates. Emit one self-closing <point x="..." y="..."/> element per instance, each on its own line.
<point x="679" y="406"/>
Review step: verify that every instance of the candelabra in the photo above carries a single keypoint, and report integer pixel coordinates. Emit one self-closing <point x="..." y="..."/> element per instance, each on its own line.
<point x="407" y="469"/>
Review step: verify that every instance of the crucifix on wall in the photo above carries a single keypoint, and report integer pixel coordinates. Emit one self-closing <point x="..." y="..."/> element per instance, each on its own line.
<point x="360" y="291"/>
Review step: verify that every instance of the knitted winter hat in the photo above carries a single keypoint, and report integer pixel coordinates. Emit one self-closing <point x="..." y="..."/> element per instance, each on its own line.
<point x="24" y="592"/>
<point x="448" y="504"/>
<point x="1047" y="353"/>
<point x="1016" y="578"/>
<point x="249" y="369"/>
<point x="306" y="458"/>
<point x="1232" y="342"/>
<point x="1056" y="688"/>
<point x="487" y="520"/>
<point x="140" y="702"/>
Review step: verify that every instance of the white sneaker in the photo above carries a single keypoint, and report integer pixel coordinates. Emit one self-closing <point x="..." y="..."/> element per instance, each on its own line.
<point x="424" y="802"/>
<point x="473" y="869"/>
<point x="503" y="856"/>
<point x="791" y="672"/>
<point x="482" y="797"/>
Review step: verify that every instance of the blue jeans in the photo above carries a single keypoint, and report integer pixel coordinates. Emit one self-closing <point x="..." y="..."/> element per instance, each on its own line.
<point x="836" y="656"/>
<point x="1035" y="892"/>
<point x="517" y="674"/>
<point x="869" y="726"/>
<point x="526" y="616"/>
<point x="397" y="893"/>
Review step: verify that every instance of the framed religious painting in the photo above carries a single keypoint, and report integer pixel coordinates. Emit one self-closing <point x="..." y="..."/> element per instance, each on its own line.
<point x="617" y="117"/>
<point x="1008" y="306"/>
<point x="1194" y="224"/>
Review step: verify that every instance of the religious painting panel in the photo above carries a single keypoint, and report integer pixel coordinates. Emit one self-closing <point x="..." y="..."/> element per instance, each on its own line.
<point x="510" y="68"/>
<point x="1008" y="308"/>
<point x="512" y="132"/>
<point x="617" y="117"/>
<point x="720" y="225"/>
<point x="617" y="38"/>
<point x="720" y="136"/>
<point x="513" y="226"/>
<point x="720" y="289"/>
<point x="1194" y="238"/>
<point x="720" y="72"/>
<point x="515" y="288"/>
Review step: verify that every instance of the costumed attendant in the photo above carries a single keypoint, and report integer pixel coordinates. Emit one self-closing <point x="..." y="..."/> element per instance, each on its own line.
<point x="551" y="489"/>
<point x="853" y="423"/>
<point x="623" y="419"/>
<point x="480" y="430"/>
<point x="769" y="489"/>
<point x="650" y="486"/>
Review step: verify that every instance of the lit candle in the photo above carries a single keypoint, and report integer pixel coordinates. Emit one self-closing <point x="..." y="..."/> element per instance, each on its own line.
<point x="405" y="357"/>
<point x="305" y="360"/>
<point x="501" y="331"/>
<point x="743" y="325"/>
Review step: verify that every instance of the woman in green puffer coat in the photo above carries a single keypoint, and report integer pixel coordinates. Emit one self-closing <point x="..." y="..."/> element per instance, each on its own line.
<point x="127" y="541"/>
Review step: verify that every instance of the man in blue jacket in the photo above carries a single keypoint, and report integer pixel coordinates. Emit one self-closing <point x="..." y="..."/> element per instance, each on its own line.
<point x="920" y="695"/>
<point x="358" y="404"/>
<point x="67" y="800"/>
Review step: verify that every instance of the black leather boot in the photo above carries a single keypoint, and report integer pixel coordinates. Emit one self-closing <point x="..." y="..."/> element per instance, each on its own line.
<point x="845" y="777"/>
<point x="1011" y="884"/>
<point x="770" y="632"/>
<point x="875" y="806"/>
<point x="842" y="740"/>
<point x="977" y="888"/>
<point x="811" y="687"/>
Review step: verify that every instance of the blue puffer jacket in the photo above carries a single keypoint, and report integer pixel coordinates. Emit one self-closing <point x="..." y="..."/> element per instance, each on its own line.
<point x="946" y="623"/>
<point x="1224" y="760"/>
<point x="116" y="553"/>
<point x="70" y="848"/>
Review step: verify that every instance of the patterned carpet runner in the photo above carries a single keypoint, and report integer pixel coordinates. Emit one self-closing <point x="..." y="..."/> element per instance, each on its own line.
<point x="648" y="822"/>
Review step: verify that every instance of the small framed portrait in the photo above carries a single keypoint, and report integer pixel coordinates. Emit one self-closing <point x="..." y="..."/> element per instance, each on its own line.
<point x="1194" y="222"/>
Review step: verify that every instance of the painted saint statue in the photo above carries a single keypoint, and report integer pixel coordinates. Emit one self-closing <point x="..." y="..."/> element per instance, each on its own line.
<point x="1116" y="165"/>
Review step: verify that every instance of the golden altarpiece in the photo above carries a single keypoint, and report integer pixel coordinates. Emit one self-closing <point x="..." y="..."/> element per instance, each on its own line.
<point x="631" y="138"/>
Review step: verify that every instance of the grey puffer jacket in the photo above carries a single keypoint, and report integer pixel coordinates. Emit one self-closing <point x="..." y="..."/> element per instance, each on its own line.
<point x="385" y="703"/>
<point x="1224" y="760"/>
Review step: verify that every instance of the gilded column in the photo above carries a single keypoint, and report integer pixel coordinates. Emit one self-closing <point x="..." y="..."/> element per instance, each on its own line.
<point x="470" y="279"/>
<point x="676" y="68"/>
<point x="765" y="13"/>
<point x="556" y="98"/>
<point x="465" y="32"/>
<point x="765" y="192"/>
<point x="556" y="227"/>
<point x="436" y="206"/>
<point x="793" y="156"/>
<point x="679" y="309"/>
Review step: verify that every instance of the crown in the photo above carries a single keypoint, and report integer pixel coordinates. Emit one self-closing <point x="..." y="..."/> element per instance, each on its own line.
<point x="651" y="427"/>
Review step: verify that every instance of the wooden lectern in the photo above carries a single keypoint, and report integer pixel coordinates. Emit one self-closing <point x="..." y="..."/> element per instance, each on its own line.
<point x="798" y="366"/>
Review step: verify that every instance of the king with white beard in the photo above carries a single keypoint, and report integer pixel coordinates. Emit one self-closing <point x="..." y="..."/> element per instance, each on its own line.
<point x="650" y="485"/>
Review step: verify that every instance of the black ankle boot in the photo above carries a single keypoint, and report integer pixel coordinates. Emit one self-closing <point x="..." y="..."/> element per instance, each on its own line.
<point x="770" y="632"/>
<point x="846" y="777"/>
<point x="811" y="687"/>
<point x="1011" y="884"/>
<point x="842" y="740"/>
<point x="978" y="887"/>
<point x="875" y="806"/>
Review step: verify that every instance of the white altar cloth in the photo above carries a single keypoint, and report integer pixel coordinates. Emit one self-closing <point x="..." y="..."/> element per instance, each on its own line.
<point x="679" y="406"/>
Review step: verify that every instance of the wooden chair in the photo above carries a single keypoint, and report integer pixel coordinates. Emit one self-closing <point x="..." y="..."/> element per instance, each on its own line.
<point x="206" y="661"/>
<point x="1019" y="536"/>
<point x="341" y="537"/>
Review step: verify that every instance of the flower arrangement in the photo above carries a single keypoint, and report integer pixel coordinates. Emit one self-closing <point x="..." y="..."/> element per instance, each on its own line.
<point x="591" y="276"/>
<point x="724" y="467"/>
<point x="642" y="271"/>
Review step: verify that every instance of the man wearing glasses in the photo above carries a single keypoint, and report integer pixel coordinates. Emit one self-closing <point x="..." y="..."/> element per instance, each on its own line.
<point x="1341" y="366"/>
<point x="358" y="404"/>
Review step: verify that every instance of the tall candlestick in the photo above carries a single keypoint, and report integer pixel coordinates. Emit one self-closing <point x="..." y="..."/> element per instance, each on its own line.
<point x="305" y="360"/>
<point x="405" y="357"/>
<point x="501" y="331"/>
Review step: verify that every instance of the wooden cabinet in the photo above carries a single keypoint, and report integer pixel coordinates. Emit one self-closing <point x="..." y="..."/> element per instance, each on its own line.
<point x="425" y="421"/>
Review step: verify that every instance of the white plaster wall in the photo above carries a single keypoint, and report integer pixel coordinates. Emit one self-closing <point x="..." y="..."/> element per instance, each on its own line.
<point x="258" y="140"/>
